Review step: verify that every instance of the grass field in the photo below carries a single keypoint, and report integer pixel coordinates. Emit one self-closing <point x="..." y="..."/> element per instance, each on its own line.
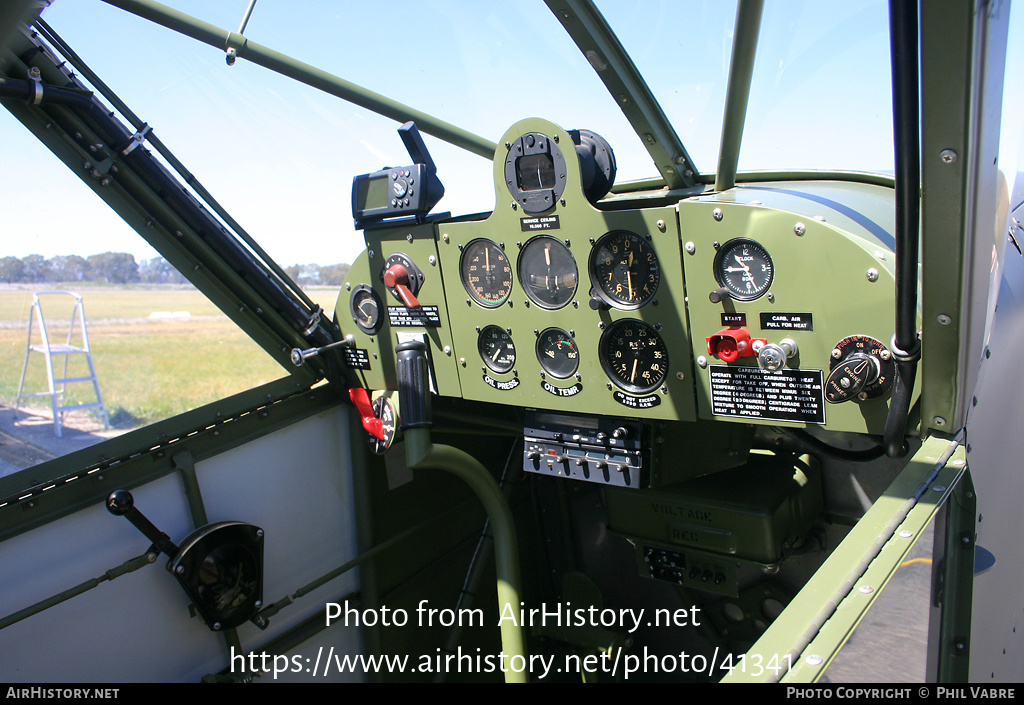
<point x="148" y="369"/>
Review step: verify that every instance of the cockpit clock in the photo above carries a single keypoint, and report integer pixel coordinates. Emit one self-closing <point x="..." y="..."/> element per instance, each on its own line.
<point x="744" y="268"/>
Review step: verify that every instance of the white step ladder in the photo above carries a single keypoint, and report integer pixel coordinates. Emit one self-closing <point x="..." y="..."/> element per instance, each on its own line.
<point x="51" y="350"/>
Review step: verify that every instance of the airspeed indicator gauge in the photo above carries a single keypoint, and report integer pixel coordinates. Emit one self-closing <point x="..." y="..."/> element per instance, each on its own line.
<point x="744" y="268"/>
<point x="486" y="273"/>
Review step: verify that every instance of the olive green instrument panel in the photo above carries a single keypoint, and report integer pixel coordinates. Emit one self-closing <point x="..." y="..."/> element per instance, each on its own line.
<point x="760" y="305"/>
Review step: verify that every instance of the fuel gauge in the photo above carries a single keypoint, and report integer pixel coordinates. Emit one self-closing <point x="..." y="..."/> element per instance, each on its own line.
<point x="366" y="308"/>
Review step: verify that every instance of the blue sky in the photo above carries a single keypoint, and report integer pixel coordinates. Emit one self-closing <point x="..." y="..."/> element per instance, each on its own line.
<point x="281" y="157"/>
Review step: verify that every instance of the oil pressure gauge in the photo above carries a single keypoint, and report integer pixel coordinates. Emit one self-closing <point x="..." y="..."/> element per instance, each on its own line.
<point x="496" y="349"/>
<point x="744" y="268"/>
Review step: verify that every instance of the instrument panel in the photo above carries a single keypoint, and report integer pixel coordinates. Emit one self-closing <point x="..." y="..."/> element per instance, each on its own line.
<point x="740" y="307"/>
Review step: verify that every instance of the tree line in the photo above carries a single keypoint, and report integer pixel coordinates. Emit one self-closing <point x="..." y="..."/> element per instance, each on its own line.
<point x="121" y="268"/>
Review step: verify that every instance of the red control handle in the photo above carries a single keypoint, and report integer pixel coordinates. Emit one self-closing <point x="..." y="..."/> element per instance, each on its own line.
<point x="730" y="344"/>
<point x="361" y="399"/>
<point x="397" y="277"/>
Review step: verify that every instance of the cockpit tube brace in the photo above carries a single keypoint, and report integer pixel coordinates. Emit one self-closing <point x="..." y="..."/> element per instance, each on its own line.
<point x="421" y="453"/>
<point x="903" y="38"/>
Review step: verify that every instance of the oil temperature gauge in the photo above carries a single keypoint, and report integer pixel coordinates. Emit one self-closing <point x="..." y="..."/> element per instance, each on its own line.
<point x="496" y="349"/>
<point x="558" y="353"/>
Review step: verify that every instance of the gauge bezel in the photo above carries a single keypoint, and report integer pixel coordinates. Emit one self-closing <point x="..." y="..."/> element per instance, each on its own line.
<point x="487" y="359"/>
<point x="376" y="323"/>
<point x="542" y="198"/>
<point x="524" y="265"/>
<point x="469" y="251"/>
<point x="605" y="355"/>
<point x="723" y="278"/>
<point x="557" y="373"/>
<point x="601" y="286"/>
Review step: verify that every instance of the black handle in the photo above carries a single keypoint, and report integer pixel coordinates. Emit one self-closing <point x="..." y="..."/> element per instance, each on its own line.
<point x="414" y="385"/>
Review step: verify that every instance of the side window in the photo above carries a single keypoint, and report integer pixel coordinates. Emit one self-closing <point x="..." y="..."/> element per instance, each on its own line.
<point x="133" y="342"/>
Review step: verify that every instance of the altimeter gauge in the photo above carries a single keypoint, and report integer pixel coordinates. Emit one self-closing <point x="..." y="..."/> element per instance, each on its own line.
<point x="486" y="273"/>
<point x="624" y="269"/>
<point x="634" y="356"/>
<point x="744" y="268"/>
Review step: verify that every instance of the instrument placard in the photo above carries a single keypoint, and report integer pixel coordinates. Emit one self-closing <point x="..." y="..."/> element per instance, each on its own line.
<point x="751" y="392"/>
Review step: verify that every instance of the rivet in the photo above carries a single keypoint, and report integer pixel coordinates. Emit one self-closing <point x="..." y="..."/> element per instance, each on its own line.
<point x="813" y="660"/>
<point x="905" y="534"/>
<point x="447" y="349"/>
<point x="865" y="589"/>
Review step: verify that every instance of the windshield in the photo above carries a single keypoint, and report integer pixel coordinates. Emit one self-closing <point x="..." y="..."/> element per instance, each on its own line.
<point x="281" y="156"/>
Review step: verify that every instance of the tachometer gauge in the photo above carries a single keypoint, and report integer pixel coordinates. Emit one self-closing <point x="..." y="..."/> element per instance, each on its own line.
<point x="496" y="349"/>
<point x="548" y="272"/>
<point x="634" y="356"/>
<point x="486" y="273"/>
<point x="745" y="268"/>
<point x="366" y="308"/>
<point x="624" y="269"/>
<point x="558" y="353"/>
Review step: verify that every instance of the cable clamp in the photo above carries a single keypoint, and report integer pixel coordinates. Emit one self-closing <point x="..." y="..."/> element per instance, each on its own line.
<point x="137" y="139"/>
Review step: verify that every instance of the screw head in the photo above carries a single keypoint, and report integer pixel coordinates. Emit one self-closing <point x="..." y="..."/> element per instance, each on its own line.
<point x="702" y="361"/>
<point x="948" y="156"/>
<point x="872" y="275"/>
<point x="799" y="228"/>
<point x="717" y="214"/>
<point x="943" y="319"/>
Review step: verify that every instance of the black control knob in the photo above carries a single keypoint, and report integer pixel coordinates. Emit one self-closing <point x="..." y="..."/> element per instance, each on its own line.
<point x="849" y="377"/>
<point x="121" y="503"/>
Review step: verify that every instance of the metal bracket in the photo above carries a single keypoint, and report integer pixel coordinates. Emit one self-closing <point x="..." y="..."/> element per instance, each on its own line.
<point x="37" y="85"/>
<point x="137" y="139"/>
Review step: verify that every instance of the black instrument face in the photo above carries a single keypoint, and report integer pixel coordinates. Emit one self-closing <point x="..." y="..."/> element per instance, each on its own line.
<point x="366" y="309"/>
<point x="486" y="273"/>
<point x="558" y="353"/>
<point x="548" y="272"/>
<point x="745" y="268"/>
<point x="624" y="269"/>
<point x="496" y="349"/>
<point x="634" y="356"/>
<point x="383" y="410"/>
